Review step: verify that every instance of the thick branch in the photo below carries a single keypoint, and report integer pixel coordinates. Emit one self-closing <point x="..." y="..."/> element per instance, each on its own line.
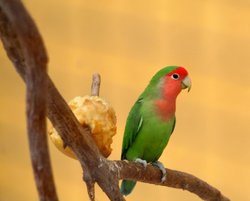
<point x="98" y="169"/>
<point x="74" y="135"/>
<point x="36" y="61"/>
<point x="175" y="179"/>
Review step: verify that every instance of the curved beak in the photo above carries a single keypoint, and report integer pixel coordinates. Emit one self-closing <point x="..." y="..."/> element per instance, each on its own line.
<point x="186" y="83"/>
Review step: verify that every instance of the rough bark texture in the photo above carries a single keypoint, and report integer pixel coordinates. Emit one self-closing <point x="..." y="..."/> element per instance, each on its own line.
<point x="25" y="49"/>
<point x="174" y="179"/>
<point x="28" y="39"/>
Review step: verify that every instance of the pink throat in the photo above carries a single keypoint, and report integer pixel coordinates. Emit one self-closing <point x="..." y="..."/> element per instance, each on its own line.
<point x="165" y="108"/>
<point x="167" y="103"/>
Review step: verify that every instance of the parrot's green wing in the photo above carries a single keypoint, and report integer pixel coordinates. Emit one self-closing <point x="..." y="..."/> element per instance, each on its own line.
<point x="173" y="125"/>
<point x="133" y="126"/>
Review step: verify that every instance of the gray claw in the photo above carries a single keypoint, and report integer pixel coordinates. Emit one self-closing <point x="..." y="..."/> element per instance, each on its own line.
<point x="163" y="170"/>
<point x="141" y="161"/>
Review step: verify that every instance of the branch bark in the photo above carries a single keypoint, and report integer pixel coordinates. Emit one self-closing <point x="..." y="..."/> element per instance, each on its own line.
<point x="35" y="61"/>
<point x="73" y="134"/>
<point x="29" y="57"/>
<point x="175" y="179"/>
<point x="96" y="83"/>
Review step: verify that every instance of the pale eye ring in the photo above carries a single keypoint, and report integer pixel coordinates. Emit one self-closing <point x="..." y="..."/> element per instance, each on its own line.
<point x="175" y="76"/>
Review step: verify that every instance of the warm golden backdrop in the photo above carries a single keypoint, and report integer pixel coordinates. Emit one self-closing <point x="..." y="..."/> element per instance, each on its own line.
<point x="127" y="42"/>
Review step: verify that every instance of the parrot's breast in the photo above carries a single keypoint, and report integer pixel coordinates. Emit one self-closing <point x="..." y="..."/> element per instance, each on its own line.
<point x="152" y="138"/>
<point x="165" y="109"/>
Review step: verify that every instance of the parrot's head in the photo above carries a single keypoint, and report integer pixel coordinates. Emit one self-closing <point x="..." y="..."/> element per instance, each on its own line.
<point x="164" y="88"/>
<point x="171" y="80"/>
<point x="178" y="79"/>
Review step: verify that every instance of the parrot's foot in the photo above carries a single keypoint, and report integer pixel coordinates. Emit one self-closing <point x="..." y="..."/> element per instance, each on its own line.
<point x="141" y="161"/>
<point x="162" y="168"/>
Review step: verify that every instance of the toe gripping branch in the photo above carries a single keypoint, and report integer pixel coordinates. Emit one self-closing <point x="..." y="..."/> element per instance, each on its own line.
<point x="157" y="164"/>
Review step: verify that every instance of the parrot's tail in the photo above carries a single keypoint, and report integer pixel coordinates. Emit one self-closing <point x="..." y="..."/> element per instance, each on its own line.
<point x="127" y="186"/>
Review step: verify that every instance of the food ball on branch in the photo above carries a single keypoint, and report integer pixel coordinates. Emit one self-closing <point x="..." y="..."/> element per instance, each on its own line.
<point x="96" y="113"/>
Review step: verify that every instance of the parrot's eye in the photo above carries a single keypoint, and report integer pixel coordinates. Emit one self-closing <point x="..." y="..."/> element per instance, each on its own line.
<point x="175" y="76"/>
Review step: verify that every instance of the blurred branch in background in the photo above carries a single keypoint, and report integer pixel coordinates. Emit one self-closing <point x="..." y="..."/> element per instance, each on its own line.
<point x="25" y="35"/>
<point x="25" y="49"/>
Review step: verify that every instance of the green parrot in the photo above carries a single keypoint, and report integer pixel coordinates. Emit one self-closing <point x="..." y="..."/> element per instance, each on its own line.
<point x="151" y="120"/>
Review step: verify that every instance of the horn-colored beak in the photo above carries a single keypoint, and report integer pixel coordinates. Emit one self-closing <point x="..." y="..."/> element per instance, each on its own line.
<point x="186" y="83"/>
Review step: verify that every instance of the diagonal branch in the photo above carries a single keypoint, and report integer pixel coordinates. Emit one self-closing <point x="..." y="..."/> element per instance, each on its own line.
<point x="27" y="54"/>
<point x="73" y="134"/>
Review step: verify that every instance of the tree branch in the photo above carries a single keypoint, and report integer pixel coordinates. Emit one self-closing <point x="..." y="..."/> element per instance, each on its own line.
<point x="35" y="61"/>
<point x="175" y="179"/>
<point x="96" y="83"/>
<point x="73" y="134"/>
<point x="28" y="54"/>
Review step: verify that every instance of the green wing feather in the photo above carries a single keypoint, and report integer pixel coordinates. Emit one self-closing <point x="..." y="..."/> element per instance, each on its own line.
<point x="133" y="126"/>
<point x="173" y="125"/>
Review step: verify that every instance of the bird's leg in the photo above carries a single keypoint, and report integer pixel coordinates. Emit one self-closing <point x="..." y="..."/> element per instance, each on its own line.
<point x="162" y="168"/>
<point x="141" y="161"/>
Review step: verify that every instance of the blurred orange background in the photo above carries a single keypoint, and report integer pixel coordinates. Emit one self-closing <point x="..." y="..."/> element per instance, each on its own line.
<point x="127" y="42"/>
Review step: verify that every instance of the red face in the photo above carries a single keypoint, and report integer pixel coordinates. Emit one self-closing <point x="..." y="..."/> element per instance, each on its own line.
<point x="178" y="74"/>
<point x="175" y="82"/>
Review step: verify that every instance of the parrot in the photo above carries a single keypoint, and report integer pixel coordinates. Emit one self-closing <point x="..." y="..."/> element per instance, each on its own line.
<point x="151" y="120"/>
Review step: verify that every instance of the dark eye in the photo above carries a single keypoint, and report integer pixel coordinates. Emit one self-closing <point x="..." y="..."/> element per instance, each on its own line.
<point x="175" y="76"/>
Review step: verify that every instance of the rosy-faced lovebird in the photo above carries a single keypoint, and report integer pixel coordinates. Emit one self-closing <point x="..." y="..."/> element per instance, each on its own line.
<point x="151" y="120"/>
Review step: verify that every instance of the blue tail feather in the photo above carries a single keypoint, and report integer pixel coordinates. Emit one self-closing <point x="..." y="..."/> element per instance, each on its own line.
<point x="127" y="186"/>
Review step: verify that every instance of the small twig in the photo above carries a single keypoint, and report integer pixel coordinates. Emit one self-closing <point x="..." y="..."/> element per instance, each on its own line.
<point x="96" y="82"/>
<point x="90" y="183"/>
<point x="91" y="190"/>
<point x="90" y="186"/>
